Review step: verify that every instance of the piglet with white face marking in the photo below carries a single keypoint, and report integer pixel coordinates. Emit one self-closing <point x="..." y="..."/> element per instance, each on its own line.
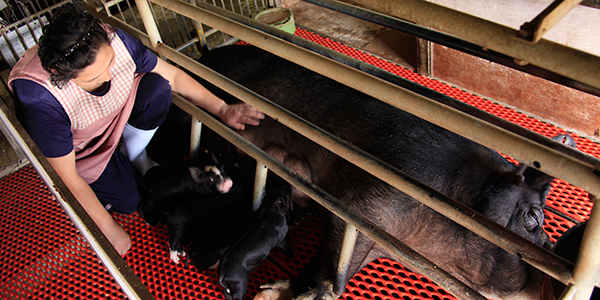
<point x="201" y="176"/>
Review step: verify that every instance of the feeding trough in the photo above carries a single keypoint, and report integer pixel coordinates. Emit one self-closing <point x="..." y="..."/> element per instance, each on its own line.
<point x="279" y="17"/>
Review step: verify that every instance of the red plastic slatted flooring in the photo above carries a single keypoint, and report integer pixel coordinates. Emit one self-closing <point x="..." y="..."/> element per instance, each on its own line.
<point x="42" y="256"/>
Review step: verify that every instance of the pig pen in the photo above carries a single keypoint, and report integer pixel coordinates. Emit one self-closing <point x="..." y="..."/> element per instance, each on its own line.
<point x="45" y="257"/>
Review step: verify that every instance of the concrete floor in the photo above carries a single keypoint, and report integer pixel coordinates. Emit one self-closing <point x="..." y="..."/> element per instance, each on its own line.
<point x="386" y="43"/>
<point x="11" y="156"/>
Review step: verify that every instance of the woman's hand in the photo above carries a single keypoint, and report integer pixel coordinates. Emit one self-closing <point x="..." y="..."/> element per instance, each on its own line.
<point x="239" y="115"/>
<point x="66" y="169"/>
<point x="118" y="237"/>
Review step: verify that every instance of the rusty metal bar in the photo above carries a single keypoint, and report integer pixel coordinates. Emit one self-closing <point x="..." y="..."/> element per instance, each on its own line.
<point x="533" y="31"/>
<point x="569" y="62"/>
<point x="409" y="257"/>
<point x="497" y="234"/>
<point x="350" y="236"/>
<point x="131" y="285"/>
<point x="199" y="30"/>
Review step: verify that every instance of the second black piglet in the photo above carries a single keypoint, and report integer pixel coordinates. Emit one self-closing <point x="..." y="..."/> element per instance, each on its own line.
<point x="248" y="252"/>
<point x="211" y="241"/>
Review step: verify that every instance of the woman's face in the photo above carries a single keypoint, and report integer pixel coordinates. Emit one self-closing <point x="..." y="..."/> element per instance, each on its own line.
<point x="94" y="77"/>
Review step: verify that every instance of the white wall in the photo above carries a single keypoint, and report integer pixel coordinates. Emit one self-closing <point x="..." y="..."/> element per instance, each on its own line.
<point x="579" y="29"/>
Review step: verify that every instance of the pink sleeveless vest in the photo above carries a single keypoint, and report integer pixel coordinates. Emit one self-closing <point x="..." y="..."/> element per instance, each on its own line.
<point x="96" y="122"/>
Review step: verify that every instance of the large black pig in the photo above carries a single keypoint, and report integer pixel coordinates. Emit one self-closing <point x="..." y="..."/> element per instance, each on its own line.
<point x="468" y="172"/>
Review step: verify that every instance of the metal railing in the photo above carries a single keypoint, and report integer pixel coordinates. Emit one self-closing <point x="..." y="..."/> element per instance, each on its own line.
<point x="582" y="172"/>
<point x="18" y="10"/>
<point x="184" y="34"/>
<point x="17" y="37"/>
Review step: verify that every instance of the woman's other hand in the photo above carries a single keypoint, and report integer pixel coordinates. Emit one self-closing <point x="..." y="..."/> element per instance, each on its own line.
<point x="239" y="115"/>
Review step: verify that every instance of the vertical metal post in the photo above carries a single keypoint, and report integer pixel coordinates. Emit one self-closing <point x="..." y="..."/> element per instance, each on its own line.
<point x="587" y="267"/>
<point x="149" y="23"/>
<point x="350" y="236"/>
<point x="568" y="293"/>
<point x="199" y="31"/>
<point x="259" y="185"/>
<point x="195" y="136"/>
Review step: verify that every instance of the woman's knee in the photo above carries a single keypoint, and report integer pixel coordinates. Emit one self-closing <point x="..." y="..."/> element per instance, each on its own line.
<point x="152" y="102"/>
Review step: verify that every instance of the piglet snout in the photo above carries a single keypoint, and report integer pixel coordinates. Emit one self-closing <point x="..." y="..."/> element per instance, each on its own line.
<point x="225" y="186"/>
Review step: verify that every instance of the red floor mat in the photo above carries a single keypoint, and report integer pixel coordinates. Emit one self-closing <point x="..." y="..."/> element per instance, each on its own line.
<point x="43" y="256"/>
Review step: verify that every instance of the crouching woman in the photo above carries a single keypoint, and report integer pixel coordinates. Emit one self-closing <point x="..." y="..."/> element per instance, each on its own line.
<point x="86" y="87"/>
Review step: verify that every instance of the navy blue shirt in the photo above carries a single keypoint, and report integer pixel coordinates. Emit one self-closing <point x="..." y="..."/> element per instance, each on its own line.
<point x="44" y="117"/>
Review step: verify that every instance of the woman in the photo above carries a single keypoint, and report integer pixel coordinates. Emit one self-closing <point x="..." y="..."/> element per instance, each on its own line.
<point x="88" y="86"/>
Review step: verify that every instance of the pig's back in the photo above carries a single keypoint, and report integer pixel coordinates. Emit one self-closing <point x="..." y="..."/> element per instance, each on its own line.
<point x="422" y="150"/>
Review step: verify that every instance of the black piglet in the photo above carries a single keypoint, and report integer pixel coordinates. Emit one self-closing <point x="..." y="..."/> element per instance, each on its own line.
<point x="249" y="251"/>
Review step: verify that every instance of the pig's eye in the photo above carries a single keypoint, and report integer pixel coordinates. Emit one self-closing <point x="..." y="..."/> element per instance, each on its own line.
<point x="532" y="218"/>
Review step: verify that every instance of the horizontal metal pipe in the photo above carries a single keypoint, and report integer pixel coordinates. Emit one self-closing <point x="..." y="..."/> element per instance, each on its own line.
<point x="118" y="268"/>
<point x="497" y="234"/>
<point x="451" y="42"/>
<point x="409" y="257"/>
<point x="575" y="64"/>
<point x="526" y="151"/>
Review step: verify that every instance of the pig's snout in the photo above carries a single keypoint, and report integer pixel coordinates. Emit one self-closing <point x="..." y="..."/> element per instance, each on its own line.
<point x="225" y="186"/>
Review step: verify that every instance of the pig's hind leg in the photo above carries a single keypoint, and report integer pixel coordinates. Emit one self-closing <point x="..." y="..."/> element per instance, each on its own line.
<point x="316" y="280"/>
<point x="177" y="239"/>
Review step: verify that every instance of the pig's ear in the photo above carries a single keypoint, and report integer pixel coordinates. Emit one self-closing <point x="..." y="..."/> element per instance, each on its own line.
<point x="566" y="139"/>
<point x="196" y="174"/>
<point x="537" y="179"/>
<point x="517" y="177"/>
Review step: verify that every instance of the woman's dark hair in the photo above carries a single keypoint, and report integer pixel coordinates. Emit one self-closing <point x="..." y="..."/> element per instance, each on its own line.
<point x="70" y="43"/>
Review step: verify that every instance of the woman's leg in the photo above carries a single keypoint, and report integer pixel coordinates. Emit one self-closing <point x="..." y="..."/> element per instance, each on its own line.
<point x="117" y="187"/>
<point x="150" y="109"/>
<point x="152" y="102"/>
